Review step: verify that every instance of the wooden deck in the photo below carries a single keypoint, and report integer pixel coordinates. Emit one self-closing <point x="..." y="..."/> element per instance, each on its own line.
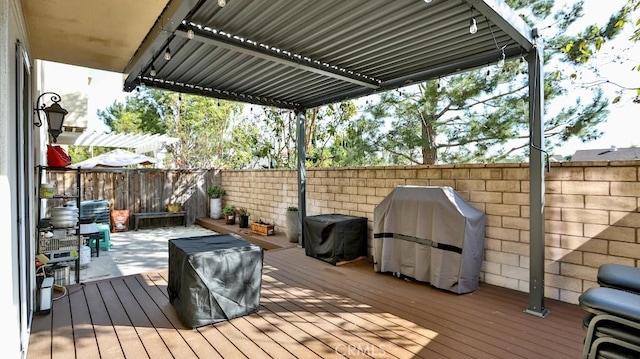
<point x="309" y="309"/>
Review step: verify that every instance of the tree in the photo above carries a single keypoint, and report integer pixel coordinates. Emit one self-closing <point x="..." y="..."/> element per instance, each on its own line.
<point x="581" y="48"/>
<point x="476" y="116"/>
<point x="200" y="123"/>
<point x="142" y="112"/>
<point x="334" y="137"/>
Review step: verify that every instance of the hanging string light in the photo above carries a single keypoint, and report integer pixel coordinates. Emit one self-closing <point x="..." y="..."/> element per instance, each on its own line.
<point x="502" y="59"/>
<point x="190" y="33"/>
<point x="167" y="54"/>
<point x="473" y="24"/>
<point x="153" y="72"/>
<point x="222" y="3"/>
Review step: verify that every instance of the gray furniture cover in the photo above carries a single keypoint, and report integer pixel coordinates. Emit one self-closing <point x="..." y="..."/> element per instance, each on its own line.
<point x="214" y="278"/>
<point x="430" y="234"/>
<point x="335" y="238"/>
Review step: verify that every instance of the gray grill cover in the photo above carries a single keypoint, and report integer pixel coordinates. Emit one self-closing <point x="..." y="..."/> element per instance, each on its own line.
<point x="430" y="234"/>
<point x="214" y="278"/>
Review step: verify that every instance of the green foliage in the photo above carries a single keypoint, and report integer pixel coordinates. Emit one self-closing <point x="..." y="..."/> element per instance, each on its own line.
<point x="292" y="209"/>
<point x="229" y="210"/>
<point x="200" y="123"/>
<point x="242" y="211"/>
<point x="472" y="117"/>
<point x="216" y="192"/>
<point x="469" y="117"/>
<point x="581" y="48"/>
<point x="81" y="153"/>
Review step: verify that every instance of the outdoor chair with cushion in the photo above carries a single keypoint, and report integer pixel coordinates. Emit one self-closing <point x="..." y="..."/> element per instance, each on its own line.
<point x="613" y="323"/>
<point x="619" y="276"/>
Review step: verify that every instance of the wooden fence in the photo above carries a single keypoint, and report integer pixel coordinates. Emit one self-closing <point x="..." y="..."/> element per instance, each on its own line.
<point x="147" y="190"/>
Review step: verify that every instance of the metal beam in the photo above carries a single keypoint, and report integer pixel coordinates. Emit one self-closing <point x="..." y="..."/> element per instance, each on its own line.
<point x="216" y="93"/>
<point x="536" y="181"/>
<point x="302" y="174"/>
<point x="432" y="73"/>
<point x="156" y="39"/>
<point x="251" y="49"/>
<point x="503" y="16"/>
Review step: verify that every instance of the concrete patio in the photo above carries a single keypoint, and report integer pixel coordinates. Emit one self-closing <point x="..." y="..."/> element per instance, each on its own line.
<point x="136" y="252"/>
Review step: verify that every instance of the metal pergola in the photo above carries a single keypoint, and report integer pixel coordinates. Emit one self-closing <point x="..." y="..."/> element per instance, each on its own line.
<point x="300" y="54"/>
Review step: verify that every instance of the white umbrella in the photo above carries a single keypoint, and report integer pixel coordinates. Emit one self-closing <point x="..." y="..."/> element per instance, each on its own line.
<point x="115" y="158"/>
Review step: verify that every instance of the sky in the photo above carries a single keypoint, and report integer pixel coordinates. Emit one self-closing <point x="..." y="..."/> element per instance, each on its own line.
<point x="619" y="130"/>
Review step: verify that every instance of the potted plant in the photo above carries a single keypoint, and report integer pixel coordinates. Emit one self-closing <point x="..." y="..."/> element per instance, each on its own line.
<point x="174" y="207"/>
<point x="215" y="194"/>
<point x="292" y="224"/>
<point x="229" y="214"/>
<point x="263" y="228"/>
<point x="243" y="217"/>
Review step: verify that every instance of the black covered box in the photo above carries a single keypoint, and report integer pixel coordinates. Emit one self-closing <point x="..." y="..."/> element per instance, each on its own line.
<point x="335" y="238"/>
<point x="214" y="278"/>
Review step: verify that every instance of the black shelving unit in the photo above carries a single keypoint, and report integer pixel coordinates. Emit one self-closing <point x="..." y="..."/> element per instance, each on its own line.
<point x="65" y="248"/>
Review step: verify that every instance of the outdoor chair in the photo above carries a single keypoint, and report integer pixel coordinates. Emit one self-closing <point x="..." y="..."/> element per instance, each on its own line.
<point x="619" y="276"/>
<point x="612" y="325"/>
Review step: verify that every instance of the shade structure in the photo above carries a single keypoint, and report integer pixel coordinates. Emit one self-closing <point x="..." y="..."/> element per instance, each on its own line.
<point x="431" y="234"/>
<point x="115" y="158"/>
<point x="299" y="54"/>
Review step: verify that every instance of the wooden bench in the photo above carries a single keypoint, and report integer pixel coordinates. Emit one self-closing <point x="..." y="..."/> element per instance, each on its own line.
<point x="138" y="216"/>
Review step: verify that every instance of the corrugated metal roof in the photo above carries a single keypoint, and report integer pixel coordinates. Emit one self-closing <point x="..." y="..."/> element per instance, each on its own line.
<point x="305" y="53"/>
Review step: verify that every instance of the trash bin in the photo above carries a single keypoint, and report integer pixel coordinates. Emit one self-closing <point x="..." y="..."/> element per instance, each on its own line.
<point x="60" y="274"/>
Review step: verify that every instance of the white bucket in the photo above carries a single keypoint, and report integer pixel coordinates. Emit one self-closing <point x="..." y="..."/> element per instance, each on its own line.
<point x="85" y="256"/>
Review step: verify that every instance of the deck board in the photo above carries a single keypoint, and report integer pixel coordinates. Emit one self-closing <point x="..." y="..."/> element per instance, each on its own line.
<point x="106" y="336"/>
<point x="155" y="286"/>
<point x="83" y="334"/>
<point x="308" y="309"/>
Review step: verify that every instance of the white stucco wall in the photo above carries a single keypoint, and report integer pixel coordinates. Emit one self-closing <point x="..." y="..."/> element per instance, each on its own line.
<point x="12" y="29"/>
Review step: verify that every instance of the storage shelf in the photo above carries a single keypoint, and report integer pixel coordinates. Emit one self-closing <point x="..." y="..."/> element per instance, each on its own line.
<point x="61" y="196"/>
<point x="65" y="247"/>
<point x="54" y="244"/>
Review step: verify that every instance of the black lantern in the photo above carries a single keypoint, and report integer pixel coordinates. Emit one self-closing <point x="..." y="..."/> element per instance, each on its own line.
<point x="55" y="114"/>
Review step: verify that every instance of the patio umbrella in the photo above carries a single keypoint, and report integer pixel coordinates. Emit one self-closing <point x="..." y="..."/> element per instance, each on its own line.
<point x="115" y="158"/>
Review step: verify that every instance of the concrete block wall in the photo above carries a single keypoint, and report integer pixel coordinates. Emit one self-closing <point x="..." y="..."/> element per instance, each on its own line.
<point x="591" y="214"/>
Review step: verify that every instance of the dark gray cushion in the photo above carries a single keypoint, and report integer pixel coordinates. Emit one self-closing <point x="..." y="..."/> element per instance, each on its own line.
<point x="619" y="276"/>
<point x="616" y="302"/>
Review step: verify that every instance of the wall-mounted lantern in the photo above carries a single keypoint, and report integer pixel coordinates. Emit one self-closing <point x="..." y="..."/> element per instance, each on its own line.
<point x="55" y="114"/>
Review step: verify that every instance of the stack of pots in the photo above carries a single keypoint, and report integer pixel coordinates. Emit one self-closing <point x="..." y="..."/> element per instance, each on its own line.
<point x="64" y="217"/>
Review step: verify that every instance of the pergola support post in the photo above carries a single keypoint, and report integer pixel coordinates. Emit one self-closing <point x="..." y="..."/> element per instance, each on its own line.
<point x="537" y="186"/>
<point x="302" y="199"/>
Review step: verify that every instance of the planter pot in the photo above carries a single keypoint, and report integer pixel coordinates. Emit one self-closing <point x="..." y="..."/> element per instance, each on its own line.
<point x="230" y="218"/>
<point x="215" y="208"/>
<point x="262" y="229"/>
<point x="292" y="226"/>
<point x="244" y="221"/>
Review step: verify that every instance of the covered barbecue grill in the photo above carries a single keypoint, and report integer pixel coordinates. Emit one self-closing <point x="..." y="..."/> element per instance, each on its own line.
<point x="431" y="234"/>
